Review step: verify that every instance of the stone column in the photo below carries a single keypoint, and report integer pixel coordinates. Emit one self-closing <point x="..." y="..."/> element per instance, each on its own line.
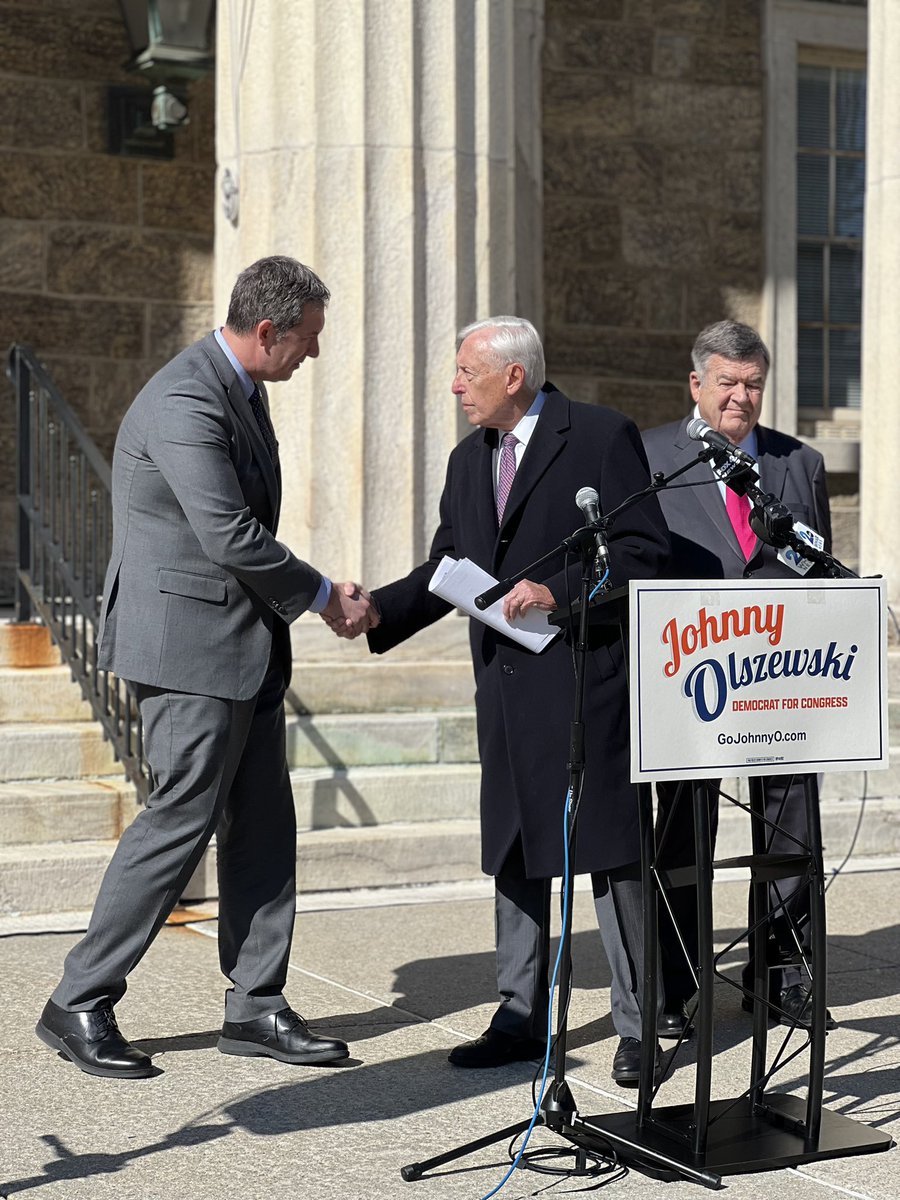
<point x="394" y="146"/>
<point x="880" y="450"/>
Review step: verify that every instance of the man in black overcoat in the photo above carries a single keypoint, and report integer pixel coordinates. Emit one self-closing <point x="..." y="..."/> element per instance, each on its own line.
<point x="524" y="701"/>
<point x="731" y="363"/>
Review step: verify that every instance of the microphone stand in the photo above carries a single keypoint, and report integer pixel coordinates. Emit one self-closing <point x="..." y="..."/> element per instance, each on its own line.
<point x="558" y="1108"/>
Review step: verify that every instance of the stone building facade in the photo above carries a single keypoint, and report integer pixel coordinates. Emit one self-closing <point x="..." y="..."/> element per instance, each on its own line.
<point x="609" y="168"/>
<point x="105" y="261"/>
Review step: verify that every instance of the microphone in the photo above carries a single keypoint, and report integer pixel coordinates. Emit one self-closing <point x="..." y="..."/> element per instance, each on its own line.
<point x="699" y="431"/>
<point x="588" y="501"/>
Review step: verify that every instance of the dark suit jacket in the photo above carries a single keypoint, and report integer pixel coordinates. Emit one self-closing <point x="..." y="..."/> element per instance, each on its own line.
<point x="704" y="545"/>
<point x="524" y="702"/>
<point x="197" y="585"/>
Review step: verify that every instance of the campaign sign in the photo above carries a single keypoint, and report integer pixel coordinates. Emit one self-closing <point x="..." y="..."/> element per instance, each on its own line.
<point x="757" y="677"/>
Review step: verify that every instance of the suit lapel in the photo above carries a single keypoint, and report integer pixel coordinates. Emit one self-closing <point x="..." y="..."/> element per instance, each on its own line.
<point x="708" y="496"/>
<point x="243" y="413"/>
<point x="545" y="443"/>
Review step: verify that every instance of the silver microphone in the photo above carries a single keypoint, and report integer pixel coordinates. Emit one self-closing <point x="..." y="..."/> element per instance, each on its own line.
<point x="588" y="501"/>
<point x="699" y="431"/>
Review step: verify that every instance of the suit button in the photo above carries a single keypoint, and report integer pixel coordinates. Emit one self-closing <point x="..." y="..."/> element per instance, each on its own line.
<point x="504" y="541"/>
<point x="508" y="670"/>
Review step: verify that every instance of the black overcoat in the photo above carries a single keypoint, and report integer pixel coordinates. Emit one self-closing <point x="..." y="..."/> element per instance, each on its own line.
<point x="524" y="701"/>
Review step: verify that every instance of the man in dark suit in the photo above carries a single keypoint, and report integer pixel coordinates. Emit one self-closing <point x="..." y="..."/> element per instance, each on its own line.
<point x="510" y="497"/>
<point x="196" y="608"/>
<point x="727" y="383"/>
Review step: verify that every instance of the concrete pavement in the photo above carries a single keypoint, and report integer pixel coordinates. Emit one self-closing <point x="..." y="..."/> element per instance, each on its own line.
<point x="402" y="976"/>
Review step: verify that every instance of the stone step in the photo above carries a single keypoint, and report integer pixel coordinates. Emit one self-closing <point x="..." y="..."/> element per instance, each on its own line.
<point x="72" y="750"/>
<point x="377" y="739"/>
<point x="380" y="685"/>
<point x="26" y="645"/>
<point x="64" y="877"/>
<point x="41" y="694"/>
<point x="382" y="796"/>
<point x="76" y="810"/>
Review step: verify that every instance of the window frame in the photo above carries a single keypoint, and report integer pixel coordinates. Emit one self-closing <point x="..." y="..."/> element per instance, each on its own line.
<point x="794" y="29"/>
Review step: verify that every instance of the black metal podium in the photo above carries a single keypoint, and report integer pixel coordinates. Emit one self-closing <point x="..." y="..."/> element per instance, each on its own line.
<point x="760" y="1129"/>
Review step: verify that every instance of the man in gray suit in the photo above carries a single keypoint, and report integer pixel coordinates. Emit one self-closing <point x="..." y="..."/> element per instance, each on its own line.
<point x="196" y="608"/>
<point x="730" y="363"/>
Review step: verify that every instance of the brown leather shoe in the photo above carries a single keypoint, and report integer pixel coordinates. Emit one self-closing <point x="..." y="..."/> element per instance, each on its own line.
<point x="92" y="1041"/>
<point x="283" y="1035"/>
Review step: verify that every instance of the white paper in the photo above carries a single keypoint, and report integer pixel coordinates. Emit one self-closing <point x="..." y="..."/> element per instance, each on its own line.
<point x="459" y="582"/>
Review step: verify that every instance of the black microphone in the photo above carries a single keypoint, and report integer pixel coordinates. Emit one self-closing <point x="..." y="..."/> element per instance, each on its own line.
<point x="699" y="431"/>
<point x="588" y="501"/>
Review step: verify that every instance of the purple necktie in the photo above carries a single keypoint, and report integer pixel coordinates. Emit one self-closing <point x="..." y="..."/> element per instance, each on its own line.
<point x="738" y="509"/>
<point x="508" y="444"/>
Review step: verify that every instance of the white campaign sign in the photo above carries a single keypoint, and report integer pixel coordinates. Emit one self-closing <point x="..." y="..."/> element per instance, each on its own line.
<point x="757" y="677"/>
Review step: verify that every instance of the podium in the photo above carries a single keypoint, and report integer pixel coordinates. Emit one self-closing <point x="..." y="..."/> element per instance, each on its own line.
<point x="689" y="650"/>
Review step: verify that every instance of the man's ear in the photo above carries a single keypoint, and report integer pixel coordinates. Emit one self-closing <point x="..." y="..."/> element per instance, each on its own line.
<point x="265" y="334"/>
<point x="515" y="380"/>
<point x="695" y="386"/>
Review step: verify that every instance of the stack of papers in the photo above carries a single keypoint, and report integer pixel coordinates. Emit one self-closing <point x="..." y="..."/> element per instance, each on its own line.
<point x="459" y="582"/>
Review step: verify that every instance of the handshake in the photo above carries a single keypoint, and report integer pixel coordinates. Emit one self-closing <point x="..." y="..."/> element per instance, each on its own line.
<point x="350" y="610"/>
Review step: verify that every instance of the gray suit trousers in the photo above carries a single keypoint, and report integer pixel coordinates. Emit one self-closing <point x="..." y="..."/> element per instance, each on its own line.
<point x="522" y="913"/>
<point x="217" y="766"/>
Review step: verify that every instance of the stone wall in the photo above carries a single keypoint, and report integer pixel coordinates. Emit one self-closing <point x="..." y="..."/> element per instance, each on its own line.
<point x="105" y="261"/>
<point x="653" y="144"/>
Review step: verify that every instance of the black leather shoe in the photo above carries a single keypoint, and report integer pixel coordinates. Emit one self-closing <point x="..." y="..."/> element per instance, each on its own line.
<point x="796" y="1006"/>
<point x="495" y="1049"/>
<point x="626" y="1066"/>
<point x="673" y="1025"/>
<point x="91" y="1040"/>
<point x="283" y="1035"/>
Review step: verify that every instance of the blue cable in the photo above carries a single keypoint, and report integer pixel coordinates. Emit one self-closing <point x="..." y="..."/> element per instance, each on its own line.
<point x="565" y="913"/>
<point x="599" y="585"/>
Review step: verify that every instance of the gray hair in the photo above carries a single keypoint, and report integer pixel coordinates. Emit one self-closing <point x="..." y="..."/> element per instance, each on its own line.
<point x="511" y="340"/>
<point x="276" y="289"/>
<point x="728" y="339"/>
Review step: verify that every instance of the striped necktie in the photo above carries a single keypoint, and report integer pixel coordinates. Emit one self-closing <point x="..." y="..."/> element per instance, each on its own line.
<point x="508" y="444"/>
<point x="265" y="425"/>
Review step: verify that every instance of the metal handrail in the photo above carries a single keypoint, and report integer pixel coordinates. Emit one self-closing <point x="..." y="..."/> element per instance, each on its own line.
<point x="64" y="536"/>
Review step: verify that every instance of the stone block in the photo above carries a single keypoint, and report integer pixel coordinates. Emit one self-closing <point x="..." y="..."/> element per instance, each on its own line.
<point x="40" y="115"/>
<point x="336" y="799"/>
<point x="25" y="644"/>
<point x="458" y="738"/>
<point x="40" y="693"/>
<point x="647" y="404"/>
<point x="64" y="42"/>
<point x="710" y="65"/>
<point x="743" y="20"/>
<point x="687" y="114"/>
<point x="587" y="166"/>
<point x="672" y="55"/>
<point x="729" y="297"/>
<point x="591" y="297"/>
<point x="68" y="187"/>
<point x="559" y="13"/>
<point x="65" y="751"/>
<point x="113" y="386"/>
<point x="381" y="686"/>
<point x="577" y="44"/>
<point x="588" y="99"/>
<point x="90" y="327"/>
<point x="52" y="878"/>
<point x="670" y="240"/>
<point x="174" y="325"/>
<point x="68" y="811"/>
<point x="737" y="246"/>
<point x="152" y="265"/>
<point x="177" y="195"/>
<point x="579" y="230"/>
<point x="343" y="741"/>
<point x="695" y="16"/>
<point x="620" y="353"/>
<point x="21" y="256"/>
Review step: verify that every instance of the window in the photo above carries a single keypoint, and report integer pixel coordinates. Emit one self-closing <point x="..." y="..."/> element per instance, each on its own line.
<point x="815" y="154"/>
<point x="831" y="129"/>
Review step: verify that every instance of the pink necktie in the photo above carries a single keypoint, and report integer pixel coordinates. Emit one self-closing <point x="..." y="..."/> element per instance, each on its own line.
<point x="738" y="509"/>
<point x="508" y="445"/>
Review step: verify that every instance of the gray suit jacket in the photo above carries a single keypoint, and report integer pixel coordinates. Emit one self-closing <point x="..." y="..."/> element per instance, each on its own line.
<point x="704" y="545"/>
<point x="197" y="585"/>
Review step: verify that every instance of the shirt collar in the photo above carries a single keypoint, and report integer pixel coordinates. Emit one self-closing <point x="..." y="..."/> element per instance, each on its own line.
<point x="248" y="387"/>
<point x="525" y="427"/>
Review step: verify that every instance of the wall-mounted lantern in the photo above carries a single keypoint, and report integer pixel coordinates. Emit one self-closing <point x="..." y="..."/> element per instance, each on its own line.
<point x="172" y="42"/>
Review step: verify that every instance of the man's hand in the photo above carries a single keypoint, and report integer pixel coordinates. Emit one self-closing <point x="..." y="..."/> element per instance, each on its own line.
<point x="526" y="596"/>
<point x="349" y="611"/>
